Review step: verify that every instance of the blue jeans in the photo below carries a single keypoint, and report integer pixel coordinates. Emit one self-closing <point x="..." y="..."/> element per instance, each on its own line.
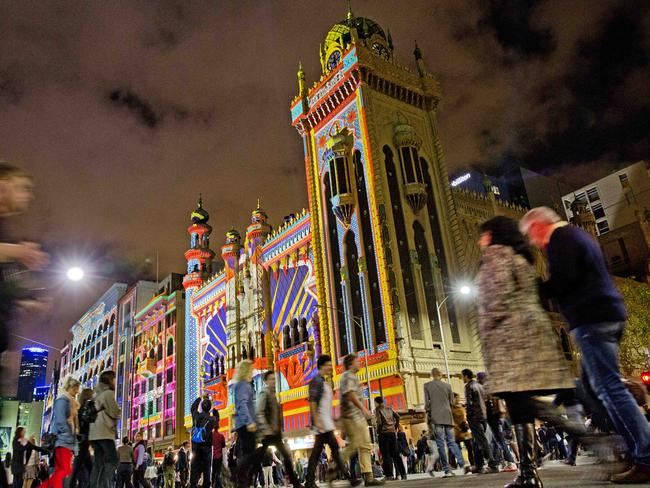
<point x="445" y="433"/>
<point x="599" y="346"/>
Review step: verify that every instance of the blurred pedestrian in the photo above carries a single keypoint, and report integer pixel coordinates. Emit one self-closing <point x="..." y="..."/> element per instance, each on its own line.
<point x="83" y="462"/>
<point x="182" y="464"/>
<point x="580" y="282"/>
<point x="477" y="419"/>
<point x="103" y="432"/>
<point x="517" y="336"/>
<point x="462" y="433"/>
<point x="321" y="398"/>
<point x="169" y="468"/>
<point x="387" y="421"/>
<point x="140" y="469"/>
<point x="270" y="424"/>
<point x="64" y="425"/>
<point x="125" y="467"/>
<point x="32" y="455"/>
<point x="355" y="417"/>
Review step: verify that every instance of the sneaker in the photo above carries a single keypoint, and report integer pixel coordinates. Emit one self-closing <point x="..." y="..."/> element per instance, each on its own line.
<point x="448" y="474"/>
<point x="482" y="470"/>
<point x="467" y="469"/>
<point x="636" y="474"/>
<point x="510" y="468"/>
<point x="404" y="478"/>
<point x="493" y="469"/>
<point x="355" y="482"/>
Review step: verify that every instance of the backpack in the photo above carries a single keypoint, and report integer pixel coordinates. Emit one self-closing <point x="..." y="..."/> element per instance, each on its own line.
<point x="88" y="412"/>
<point x="198" y="434"/>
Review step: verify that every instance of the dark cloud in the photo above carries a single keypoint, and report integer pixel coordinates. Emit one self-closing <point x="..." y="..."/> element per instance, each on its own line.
<point x="141" y="108"/>
<point x="125" y="111"/>
<point x="511" y="22"/>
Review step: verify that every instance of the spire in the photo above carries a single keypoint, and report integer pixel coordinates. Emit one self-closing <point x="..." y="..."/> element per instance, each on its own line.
<point x="417" y="53"/>
<point x="350" y="14"/>
<point x="200" y="204"/>
<point x="419" y="62"/>
<point x="302" y="84"/>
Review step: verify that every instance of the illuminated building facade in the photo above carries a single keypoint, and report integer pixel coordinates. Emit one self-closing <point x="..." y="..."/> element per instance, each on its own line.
<point x="158" y="361"/>
<point x="363" y="269"/>
<point x="92" y="349"/>
<point x="135" y="298"/>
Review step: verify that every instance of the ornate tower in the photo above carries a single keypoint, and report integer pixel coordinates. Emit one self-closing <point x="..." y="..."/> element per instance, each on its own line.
<point x="384" y="224"/>
<point x="199" y="267"/>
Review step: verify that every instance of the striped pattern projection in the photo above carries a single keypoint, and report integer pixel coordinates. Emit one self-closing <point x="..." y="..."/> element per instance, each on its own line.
<point x="290" y="299"/>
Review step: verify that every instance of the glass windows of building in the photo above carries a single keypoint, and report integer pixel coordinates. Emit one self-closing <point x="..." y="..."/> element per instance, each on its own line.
<point x="169" y="401"/>
<point x="142" y="412"/>
<point x="151" y="385"/>
<point x="597" y="209"/>
<point x="603" y="227"/>
<point x="592" y="194"/>
<point x="169" y="428"/>
<point x="625" y="182"/>
<point x="158" y="430"/>
<point x="136" y="390"/>
<point x="170" y="375"/>
<point x="159" y="379"/>
<point x="159" y="404"/>
<point x="150" y="407"/>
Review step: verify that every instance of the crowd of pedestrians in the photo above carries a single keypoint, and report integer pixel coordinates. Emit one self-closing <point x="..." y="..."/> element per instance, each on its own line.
<point x="504" y="424"/>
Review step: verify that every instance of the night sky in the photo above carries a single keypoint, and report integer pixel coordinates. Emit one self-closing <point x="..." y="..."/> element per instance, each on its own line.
<point x="125" y="111"/>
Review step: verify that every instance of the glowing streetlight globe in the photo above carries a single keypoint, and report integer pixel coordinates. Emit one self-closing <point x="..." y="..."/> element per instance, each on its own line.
<point x="75" y="274"/>
<point x="465" y="290"/>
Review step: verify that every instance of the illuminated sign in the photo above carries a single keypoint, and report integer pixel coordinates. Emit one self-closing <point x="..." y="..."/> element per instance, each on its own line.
<point x="460" y="179"/>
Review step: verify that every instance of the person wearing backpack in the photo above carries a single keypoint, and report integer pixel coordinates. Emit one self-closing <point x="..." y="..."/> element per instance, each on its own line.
<point x="387" y="421"/>
<point x="202" y="425"/>
<point x="83" y="462"/>
<point x="103" y="432"/>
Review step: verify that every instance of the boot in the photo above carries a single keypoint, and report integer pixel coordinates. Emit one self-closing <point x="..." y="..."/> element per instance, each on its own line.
<point x="528" y="476"/>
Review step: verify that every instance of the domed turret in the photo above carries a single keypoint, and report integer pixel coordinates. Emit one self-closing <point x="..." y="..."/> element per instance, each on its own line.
<point x="340" y="36"/>
<point x="200" y="215"/>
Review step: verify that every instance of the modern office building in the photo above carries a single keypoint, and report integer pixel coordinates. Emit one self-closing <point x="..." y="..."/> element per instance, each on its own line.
<point x="33" y="372"/>
<point x="618" y="199"/>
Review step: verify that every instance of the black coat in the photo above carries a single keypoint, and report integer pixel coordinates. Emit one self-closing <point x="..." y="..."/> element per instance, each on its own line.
<point x="181" y="462"/>
<point x="21" y="454"/>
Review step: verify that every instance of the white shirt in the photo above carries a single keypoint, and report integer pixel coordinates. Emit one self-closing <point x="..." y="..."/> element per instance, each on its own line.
<point x="325" y="409"/>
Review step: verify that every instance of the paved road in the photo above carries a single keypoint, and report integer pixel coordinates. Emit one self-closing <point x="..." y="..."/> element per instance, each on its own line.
<point x="554" y="475"/>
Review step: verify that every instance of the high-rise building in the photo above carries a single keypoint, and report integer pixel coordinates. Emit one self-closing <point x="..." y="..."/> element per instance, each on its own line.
<point x="33" y="372"/>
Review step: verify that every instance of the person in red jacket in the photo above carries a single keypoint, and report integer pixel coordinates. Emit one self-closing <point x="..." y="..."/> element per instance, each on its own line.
<point x="218" y="445"/>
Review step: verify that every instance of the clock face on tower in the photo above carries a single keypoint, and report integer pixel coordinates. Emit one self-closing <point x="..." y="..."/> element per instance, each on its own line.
<point x="334" y="60"/>
<point x="380" y="50"/>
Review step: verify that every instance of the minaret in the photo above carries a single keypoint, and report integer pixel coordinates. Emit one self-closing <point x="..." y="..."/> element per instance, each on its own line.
<point x="199" y="258"/>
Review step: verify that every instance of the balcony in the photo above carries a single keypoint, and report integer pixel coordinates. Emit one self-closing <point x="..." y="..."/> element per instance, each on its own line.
<point x="147" y="368"/>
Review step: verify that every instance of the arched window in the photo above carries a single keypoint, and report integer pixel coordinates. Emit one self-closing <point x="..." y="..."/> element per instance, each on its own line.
<point x="295" y="335"/>
<point x="170" y="346"/>
<point x="286" y="337"/>
<point x="244" y="353"/>
<point x="112" y="320"/>
<point x="426" y="270"/>
<point x="402" y="245"/>
<point x="335" y="267"/>
<point x="152" y="353"/>
<point x="262" y="345"/>
<point x="304" y="336"/>
<point x="352" y="261"/>
<point x="159" y="356"/>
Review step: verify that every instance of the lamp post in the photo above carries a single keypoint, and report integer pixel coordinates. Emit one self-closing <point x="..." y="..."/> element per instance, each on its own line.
<point x="463" y="290"/>
<point x="357" y="321"/>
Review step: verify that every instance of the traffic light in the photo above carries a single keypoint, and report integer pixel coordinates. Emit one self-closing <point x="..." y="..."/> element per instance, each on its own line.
<point x="645" y="377"/>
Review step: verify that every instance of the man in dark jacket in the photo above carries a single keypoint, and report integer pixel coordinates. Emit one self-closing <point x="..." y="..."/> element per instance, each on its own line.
<point x="579" y="281"/>
<point x="269" y="424"/>
<point x="182" y="464"/>
<point x="387" y="422"/>
<point x="202" y="424"/>
<point x="477" y="419"/>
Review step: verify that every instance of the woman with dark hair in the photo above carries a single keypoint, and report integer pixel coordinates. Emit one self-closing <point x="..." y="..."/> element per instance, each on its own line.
<point x="103" y="432"/>
<point x="520" y="347"/>
<point x="83" y="462"/>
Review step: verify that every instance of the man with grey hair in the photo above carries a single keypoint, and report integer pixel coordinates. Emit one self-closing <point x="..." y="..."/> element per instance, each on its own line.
<point x="593" y="307"/>
<point x="438" y="399"/>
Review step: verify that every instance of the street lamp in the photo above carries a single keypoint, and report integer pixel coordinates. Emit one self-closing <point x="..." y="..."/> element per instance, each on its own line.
<point x="75" y="273"/>
<point x="464" y="290"/>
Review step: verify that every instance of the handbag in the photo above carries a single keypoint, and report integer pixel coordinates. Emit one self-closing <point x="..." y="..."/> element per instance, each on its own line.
<point x="47" y="442"/>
